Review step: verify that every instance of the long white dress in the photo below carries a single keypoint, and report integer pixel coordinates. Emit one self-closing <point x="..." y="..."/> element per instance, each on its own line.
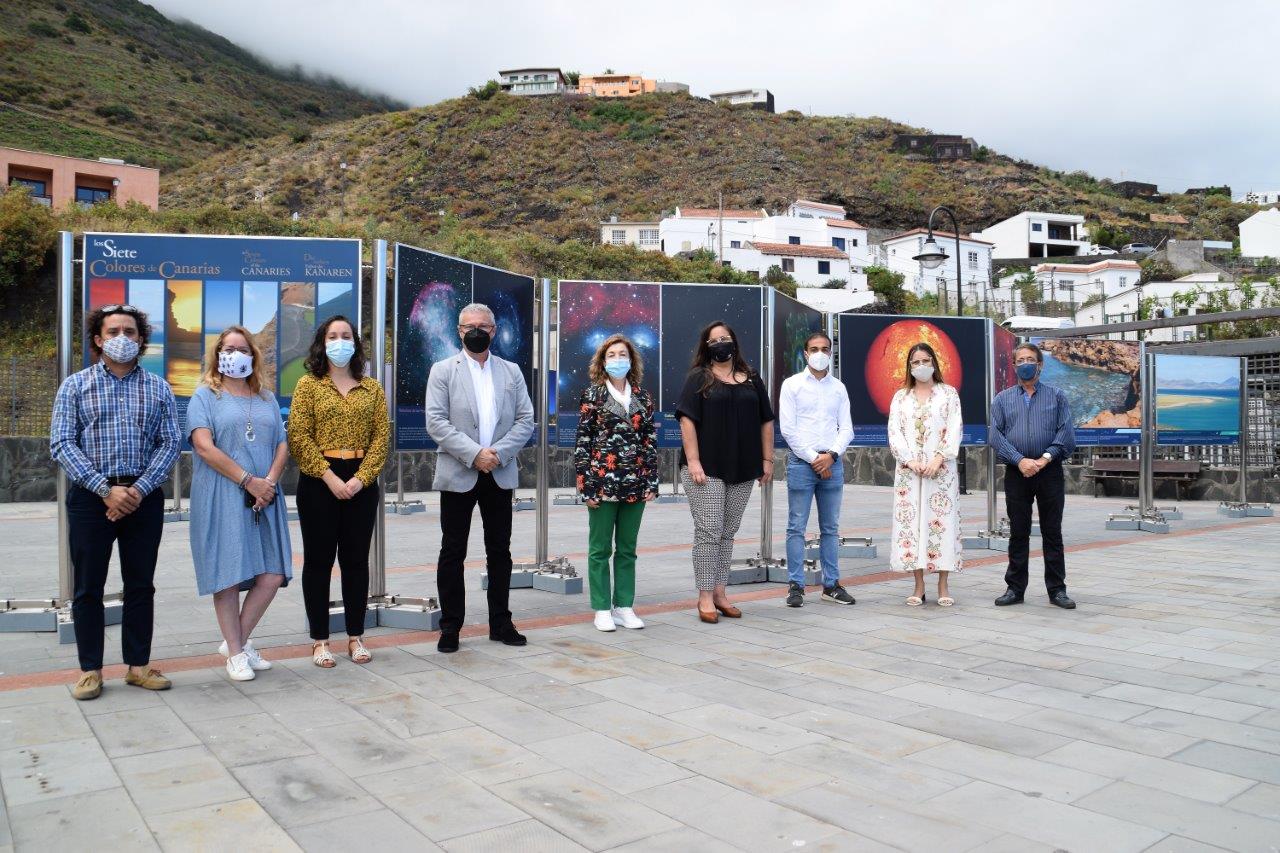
<point x="926" y="512"/>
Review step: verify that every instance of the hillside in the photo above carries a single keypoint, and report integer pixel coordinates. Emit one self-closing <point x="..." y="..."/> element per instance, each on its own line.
<point x="115" y="78"/>
<point x="555" y="166"/>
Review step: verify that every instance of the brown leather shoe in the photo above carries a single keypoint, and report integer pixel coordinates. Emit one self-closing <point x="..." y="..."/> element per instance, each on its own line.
<point x="89" y="686"/>
<point x="708" y="616"/>
<point x="730" y="611"/>
<point x="150" y="679"/>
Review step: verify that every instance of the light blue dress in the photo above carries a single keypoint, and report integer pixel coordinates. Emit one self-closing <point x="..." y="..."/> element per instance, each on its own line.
<point x="228" y="548"/>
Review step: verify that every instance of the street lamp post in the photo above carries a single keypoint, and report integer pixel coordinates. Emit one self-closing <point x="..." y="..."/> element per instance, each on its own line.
<point x="931" y="257"/>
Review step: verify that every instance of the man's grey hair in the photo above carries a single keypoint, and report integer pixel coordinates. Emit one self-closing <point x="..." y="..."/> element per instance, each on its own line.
<point x="477" y="308"/>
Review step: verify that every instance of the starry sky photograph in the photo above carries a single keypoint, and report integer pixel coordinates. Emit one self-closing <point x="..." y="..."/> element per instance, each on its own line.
<point x="591" y="311"/>
<point x="686" y="308"/>
<point x="510" y="297"/>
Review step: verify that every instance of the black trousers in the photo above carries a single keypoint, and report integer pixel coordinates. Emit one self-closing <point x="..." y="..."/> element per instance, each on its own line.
<point x="330" y="528"/>
<point x="455" y="528"/>
<point x="1048" y="490"/>
<point x="92" y="536"/>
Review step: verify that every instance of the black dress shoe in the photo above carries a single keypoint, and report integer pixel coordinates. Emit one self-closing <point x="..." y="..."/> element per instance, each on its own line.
<point x="508" y="636"/>
<point x="1061" y="599"/>
<point x="448" y="642"/>
<point x="1009" y="597"/>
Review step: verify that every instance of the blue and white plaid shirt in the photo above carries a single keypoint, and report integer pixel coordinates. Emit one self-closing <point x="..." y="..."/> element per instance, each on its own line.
<point x="104" y="427"/>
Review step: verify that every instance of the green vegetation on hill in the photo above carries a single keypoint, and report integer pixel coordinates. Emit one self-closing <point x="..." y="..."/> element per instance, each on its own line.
<point x="556" y="166"/>
<point x="115" y="78"/>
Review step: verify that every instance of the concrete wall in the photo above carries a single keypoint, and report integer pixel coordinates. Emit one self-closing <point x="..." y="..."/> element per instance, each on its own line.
<point x="26" y="474"/>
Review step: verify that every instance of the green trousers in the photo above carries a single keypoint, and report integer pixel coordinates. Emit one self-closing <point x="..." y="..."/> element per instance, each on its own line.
<point x="608" y="523"/>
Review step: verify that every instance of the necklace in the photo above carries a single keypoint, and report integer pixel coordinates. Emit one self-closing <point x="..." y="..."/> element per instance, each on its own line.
<point x="249" y="434"/>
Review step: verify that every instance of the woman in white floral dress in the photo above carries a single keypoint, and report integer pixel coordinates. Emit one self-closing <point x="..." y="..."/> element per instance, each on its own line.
<point x="924" y="437"/>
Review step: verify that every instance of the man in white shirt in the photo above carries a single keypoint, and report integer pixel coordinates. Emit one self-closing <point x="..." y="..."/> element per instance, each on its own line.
<point x="813" y="414"/>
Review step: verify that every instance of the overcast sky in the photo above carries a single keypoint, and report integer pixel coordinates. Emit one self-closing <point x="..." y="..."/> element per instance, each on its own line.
<point x="1175" y="92"/>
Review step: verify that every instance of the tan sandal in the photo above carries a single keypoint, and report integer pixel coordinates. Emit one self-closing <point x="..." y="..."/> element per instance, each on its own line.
<point x="916" y="600"/>
<point x="946" y="601"/>
<point x="321" y="656"/>
<point x="357" y="652"/>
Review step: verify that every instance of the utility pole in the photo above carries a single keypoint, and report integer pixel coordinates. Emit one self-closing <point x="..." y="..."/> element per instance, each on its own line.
<point x="720" y="201"/>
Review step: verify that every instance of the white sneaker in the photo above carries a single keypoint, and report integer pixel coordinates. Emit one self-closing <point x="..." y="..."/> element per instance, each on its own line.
<point x="626" y="617"/>
<point x="255" y="660"/>
<point x="238" y="668"/>
<point x="604" y="621"/>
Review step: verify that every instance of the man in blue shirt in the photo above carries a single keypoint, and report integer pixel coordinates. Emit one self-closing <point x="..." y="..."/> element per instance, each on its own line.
<point x="115" y="433"/>
<point x="1032" y="433"/>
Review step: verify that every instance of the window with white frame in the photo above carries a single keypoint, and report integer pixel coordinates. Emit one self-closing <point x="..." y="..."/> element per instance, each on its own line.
<point x="735" y="244"/>
<point x="788" y="264"/>
<point x="1037" y="226"/>
<point x="1124" y="281"/>
<point x="648" y="236"/>
<point x="973" y="260"/>
<point x="618" y="237"/>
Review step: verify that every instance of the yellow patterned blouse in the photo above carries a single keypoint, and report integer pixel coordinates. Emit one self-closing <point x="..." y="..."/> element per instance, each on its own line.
<point x="321" y="419"/>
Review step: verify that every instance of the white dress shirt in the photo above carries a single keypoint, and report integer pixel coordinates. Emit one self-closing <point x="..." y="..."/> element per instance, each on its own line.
<point x="813" y="415"/>
<point x="487" y="411"/>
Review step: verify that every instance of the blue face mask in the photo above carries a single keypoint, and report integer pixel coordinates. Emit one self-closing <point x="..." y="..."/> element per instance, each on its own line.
<point x="617" y="367"/>
<point x="1027" y="372"/>
<point x="340" y="351"/>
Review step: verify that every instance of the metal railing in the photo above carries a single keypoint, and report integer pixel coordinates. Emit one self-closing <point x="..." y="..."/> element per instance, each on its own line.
<point x="28" y="385"/>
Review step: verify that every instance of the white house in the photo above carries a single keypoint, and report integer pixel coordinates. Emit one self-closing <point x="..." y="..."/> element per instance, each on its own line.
<point x="1260" y="234"/>
<point x="533" y="81"/>
<point x="1260" y="197"/>
<point x="832" y="301"/>
<point x="1078" y="282"/>
<point x="755" y="240"/>
<point x="1185" y="296"/>
<point x="757" y="99"/>
<point x="1032" y="234"/>
<point x="895" y="254"/>
<point x="642" y="234"/>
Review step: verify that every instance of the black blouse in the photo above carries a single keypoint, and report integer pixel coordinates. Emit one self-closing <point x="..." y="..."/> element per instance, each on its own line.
<point x="728" y="421"/>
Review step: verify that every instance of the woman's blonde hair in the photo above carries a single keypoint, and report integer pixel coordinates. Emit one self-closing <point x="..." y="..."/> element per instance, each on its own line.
<point x="596" y="370"/>
<point x="213" y="378"/>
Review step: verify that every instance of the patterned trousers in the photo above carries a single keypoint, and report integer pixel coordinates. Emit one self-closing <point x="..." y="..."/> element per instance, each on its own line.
<point x="717" y="510"/>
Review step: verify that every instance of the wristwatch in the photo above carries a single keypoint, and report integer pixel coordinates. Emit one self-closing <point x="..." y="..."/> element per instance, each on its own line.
<point x="1047" y="456"/>
<point x="104" y="489"/>
<point x="835" y="457"/>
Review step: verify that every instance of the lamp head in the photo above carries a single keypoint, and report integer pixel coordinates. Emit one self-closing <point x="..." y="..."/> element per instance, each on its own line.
<point x="931" y="255"/>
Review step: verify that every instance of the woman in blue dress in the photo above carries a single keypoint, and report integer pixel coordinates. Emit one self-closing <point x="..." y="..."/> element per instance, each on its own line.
<point x="239" y="525"/>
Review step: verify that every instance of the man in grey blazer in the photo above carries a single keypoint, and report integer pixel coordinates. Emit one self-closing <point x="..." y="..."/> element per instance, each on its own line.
<point x="480" y="415"/>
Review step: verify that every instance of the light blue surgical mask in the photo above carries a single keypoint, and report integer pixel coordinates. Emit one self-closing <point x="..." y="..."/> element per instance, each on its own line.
<point x="340" y="351"/>
<point x="1027" y="372"/>
<point x="617" y="367"/>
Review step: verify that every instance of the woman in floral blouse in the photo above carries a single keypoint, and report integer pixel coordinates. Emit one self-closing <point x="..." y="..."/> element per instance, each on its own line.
<point x="616" y="458"/>
<point x="924" y="436"/>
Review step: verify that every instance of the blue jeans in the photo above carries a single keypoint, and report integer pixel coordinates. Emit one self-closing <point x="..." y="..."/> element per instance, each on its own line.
<point x="803" y="485"/>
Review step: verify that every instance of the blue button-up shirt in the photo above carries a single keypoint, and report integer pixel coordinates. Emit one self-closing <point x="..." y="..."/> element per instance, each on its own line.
<point x="104" y="426"/>
<point x="1025" y="426"/>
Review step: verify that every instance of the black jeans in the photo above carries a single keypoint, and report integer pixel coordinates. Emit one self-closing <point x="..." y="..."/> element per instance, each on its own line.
<point x="1048" y="490"/>
<point x="455" y="528"/>
<point x="332" y="527"/>
<point x="92" y="537"/>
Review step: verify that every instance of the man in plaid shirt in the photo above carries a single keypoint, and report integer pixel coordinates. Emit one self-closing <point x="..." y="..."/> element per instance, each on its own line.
<point x="115" y="433"/>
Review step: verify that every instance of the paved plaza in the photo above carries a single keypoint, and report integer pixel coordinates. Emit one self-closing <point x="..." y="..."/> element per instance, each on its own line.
<point x="1147" y="719"/>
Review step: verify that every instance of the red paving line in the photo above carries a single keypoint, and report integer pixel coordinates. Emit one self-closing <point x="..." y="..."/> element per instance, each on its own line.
<point x="405" y="638"/>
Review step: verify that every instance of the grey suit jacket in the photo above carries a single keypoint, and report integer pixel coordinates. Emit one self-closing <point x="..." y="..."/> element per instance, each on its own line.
<point x="453" y="422"/>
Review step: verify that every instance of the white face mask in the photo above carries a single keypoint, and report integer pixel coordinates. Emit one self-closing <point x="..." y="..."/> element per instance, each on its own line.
<point x="235" y="364"/>
<point x="922" y="372"/>
<point x="819" y="361"/>
<point x="121" y="349"/>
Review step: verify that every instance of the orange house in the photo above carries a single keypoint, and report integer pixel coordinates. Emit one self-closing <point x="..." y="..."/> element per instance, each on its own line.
<point x="57" y="181"/>
<point x="615" y="85"/>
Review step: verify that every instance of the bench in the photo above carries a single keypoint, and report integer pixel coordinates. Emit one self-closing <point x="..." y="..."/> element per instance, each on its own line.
<point x="1180" y="472"/>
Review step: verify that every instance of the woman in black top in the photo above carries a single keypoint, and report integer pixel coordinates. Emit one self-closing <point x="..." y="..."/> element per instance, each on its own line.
<point x="726" y="426"/>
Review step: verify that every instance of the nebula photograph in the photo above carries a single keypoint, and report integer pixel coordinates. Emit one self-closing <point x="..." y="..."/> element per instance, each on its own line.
<point x="510" y="297"/>
<point x="686" y="309"/>
<point x="591" y="311"/>
<point x="430" y="290"/>
<point x="793" y="322"/>
<point x="1003" y="342"/>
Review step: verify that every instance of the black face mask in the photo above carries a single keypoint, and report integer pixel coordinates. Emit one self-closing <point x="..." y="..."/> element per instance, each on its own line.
<point x="723" y="351"/>
<point x="476" y="340"/>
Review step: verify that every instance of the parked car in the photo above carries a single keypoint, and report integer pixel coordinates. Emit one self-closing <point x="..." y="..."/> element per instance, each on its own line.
<point x="1102" y="250"/>
<point x="1139" y="249"/>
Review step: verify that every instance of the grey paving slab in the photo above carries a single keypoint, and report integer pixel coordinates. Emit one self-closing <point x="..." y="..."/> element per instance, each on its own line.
<point x="251" y="739"/>
<point x="607" y="762"/>
<point x="407" y="715"/>
<point x="896" y="779"/>
<point x="1160" y="773"/>
<point x="303" y="791"/>
<point x="1196" y="726"/>
<point x="680" y="840"/>
<point x="97" y="820"/>
<point x="742" y="768"/>
<point x="629" y="725"/>
<point x="751" y="730"/>
<point x="376" y="830"/>
<point x="1132" y="735"/>
<point x="239" y="825"/>
<point x="520" y="721"/>
<point x="439" y="803"/>
<point x="208" y="700"/>
<point x="876" y="737"/>
<point x="31" y="774"/>
<point x="177" y="779"/>
<point x="1172" y="700"/>
<point x="1060" y="824"/>
<point x="1241" y="761"/>
<point x="987" y="706"/>
<point x="445" y="687"/>
<point x="1008" y="737"/>
<point x="1186" y="817"/>
<point x="473" y="748"/>
<point x="525" y="835"/>
<point x="1263" y="800"/>
<point x="645" y="695"/>
<point x="578" y="809"/>
<point x="43" y="722"/>
<point x="360" y="750"/>
<point x="1031" y="777"/>
<point x="141" y="731"/>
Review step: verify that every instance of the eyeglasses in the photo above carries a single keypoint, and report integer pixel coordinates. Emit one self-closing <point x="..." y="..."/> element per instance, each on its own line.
<point x="1025" y="361"/>
<point x="472" y="326"/>
<point x="114" y="309"/>
<point x="723" y="339"/>
<point x="244" y="350"/>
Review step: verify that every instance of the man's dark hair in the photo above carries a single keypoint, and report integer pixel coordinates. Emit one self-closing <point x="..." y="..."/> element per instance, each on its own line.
<point x="818" y="334"/>
<point x="93" y="326"/>
<point x="1034" y="349"/>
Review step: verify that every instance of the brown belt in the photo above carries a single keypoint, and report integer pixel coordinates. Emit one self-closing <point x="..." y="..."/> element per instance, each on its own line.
<point x="339" y="453"/>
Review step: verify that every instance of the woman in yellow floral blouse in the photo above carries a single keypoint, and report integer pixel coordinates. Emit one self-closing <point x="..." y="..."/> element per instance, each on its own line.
<point x="338" y="433"/>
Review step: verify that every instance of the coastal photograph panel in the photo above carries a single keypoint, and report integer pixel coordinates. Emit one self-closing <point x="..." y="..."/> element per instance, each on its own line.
<point x="1102" y="383"/>
<point x="1197" y="399"/>
<point x="297" y="329"/>
<point x="260" y="307"/>
<point x="147" y="295"/>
